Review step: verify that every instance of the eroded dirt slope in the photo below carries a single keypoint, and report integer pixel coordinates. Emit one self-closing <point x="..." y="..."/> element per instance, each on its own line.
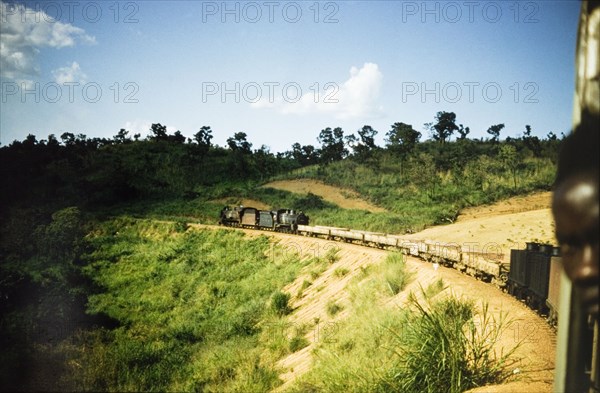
<point x="499" y="227"/>
<point x="346" y="199"/>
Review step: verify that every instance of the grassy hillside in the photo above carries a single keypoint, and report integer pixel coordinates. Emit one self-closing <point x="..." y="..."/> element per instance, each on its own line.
<point x="97" y="293"/>
<point x="175" y="309"/>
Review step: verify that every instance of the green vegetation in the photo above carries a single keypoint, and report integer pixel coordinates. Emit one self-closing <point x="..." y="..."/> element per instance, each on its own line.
<point x="171" y="308"/>
<point x="340" y="271"/>
<point x="333" y="308"/>
<point x="445" y="347"/>
<point x="432" y="183"/>
<point x="106" y="285"/>
<point x="393" y="273"/>
<point x="438" y="344"/>
<point x="279" y="303"/>
<point x="332" y="255"/>
<point x="183" y="301"/>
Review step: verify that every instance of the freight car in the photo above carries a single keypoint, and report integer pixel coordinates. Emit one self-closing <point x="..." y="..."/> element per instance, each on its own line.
<point x="553" y="300"/>
<point x="534" y="278"/>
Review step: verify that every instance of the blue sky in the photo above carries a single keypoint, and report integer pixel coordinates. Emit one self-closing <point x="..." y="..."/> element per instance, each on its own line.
<point x="282" y="71"/>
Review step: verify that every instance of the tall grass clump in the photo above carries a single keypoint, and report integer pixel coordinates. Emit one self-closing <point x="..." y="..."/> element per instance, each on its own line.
<point x="447" y="346"/>
<point x="393" y="273"/>
<point x="332" y="255"/>
<point x="279" y="303"/>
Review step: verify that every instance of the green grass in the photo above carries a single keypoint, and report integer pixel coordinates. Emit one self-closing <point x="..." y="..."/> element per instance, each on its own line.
<point x="447" y="346"/>
<point x="415" y="200"/>
<point x="331" y="255"/>
<point x="279" y="303"/>
<point x="340" y="272"/>
<point x="190" y="306"/>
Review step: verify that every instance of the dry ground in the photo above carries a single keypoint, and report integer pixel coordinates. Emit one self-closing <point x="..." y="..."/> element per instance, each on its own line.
<point x="242" y="202"/>
<point x="535" y="357"/>
<point x="501" y="227"/>
<point x="346" y="199"/>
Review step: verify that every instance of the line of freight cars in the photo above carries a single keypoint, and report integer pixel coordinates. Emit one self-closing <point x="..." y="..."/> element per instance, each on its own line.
<point x="532" y="275"/>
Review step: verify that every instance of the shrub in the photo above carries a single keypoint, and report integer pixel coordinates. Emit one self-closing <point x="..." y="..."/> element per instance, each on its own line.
<point x="279" y="303"/>
<point x="333" y="308"/>
<point x="394" y="273"/>
<point x="340" y="271"/>
<point x="444" y="348"/>
<point x="297" y="343"/>
<point x="332" y="255"/>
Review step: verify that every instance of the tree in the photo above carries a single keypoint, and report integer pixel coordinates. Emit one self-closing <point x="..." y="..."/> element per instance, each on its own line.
<point x="364" y="146"/>
<point x="159" y="132"/>
<point x="402" y="138"/>
<point x="203" y="138"/>
<point x="177" y="137"/>
<point x="30" y="141"/>
<point x="510" y="160"/>
<point x="445" y="126"/>
<point x="121" y="136"/>
<point x="424" y="173"/>
<point x="494" y="131"/>
<point x="265" y="164"/>
<point x="304" y="155"/>
<point x="332" y="145"/>
<point x="532" y="142"/>
<point x="52" y="141"/>
<point x="463" y="131"/>
<point x="68" y="138"/>
<point x="239" y="143"/>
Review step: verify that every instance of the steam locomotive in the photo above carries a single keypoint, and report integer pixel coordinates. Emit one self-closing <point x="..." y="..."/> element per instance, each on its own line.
<point x="282" y="220"/>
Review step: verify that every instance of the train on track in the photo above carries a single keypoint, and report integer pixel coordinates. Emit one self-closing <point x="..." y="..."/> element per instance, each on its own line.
<point x="282" y="220"/>
<point x="532" y="275"/>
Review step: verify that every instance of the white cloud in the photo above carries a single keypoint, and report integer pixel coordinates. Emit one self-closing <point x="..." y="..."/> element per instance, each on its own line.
<point x="357" y="97"/>
<point x="26" y="84"/>
<point x="24" y="31"/>
<point x="69" y="74"/>
<point x="137" y="126"/>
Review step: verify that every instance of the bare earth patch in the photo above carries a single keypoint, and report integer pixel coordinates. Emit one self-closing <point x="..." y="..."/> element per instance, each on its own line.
<point x="500" y="227"/>
<point x="536" y="201"/>
<point x="535" y="359"/>
<point x="344" y="198"/>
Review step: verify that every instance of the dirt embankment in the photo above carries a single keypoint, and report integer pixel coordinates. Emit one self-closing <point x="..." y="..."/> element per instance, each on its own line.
<point x="243" y="202"/>
<point x="499" y="227"/>
<point x="344" y="198"/>
<point x="534" y="359"/>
